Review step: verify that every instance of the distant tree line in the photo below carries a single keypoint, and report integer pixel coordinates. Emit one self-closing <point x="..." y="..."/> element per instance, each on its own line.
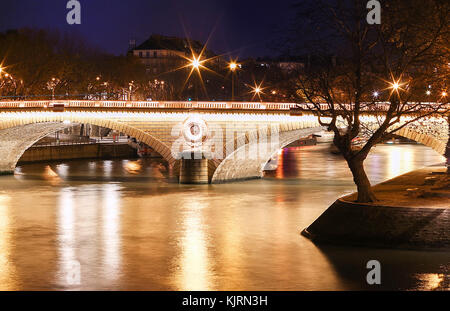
<point x="44" y="64"/>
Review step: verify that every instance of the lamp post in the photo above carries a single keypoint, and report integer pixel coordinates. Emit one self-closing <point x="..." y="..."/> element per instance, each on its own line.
<point x="232" y="67"/>
<point x="51" y="85"/>
<point x="257" y="92"/>
<point x="195" y="63"/>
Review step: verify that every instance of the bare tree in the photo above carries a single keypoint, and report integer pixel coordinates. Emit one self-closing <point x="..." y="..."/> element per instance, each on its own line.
<point x="352" y="67"/>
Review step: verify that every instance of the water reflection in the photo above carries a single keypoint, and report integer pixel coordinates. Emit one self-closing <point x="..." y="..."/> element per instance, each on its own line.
<point x="194" y="257"/>
<point x="433" y="281"/>
<point x="111" y="230"/>
<point x="132" y="167"/>
<point x="66" y="237"/>
<point x="129" y="228"/>
<point x="7" y="268"/>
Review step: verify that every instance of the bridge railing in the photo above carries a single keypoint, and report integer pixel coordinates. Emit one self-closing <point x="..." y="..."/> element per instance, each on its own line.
<point x="147" y="104"/>
<point x="379" y="106"/>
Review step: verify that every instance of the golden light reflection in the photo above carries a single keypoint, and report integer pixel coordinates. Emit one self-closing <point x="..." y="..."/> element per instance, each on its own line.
<point x="66" y="233"/>
<point x="111" y="231"/>
<point x="431" y="281"/>
<point x="194" y="260"/>
<point x="107" y="168"/>
<point x="49" y="172"/>
<point x="280" y="172"/>
<point x="7" y="269"/>
<point x="400" y="161"/>
<point x="133" y="167"/>
<point x="51" y="176"/>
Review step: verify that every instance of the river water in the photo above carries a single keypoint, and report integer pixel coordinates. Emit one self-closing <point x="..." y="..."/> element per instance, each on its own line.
<point x="125" y="225"/>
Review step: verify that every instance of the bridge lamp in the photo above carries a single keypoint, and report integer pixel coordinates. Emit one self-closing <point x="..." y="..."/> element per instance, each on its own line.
<point x="444" y="94"/>
<point x="1" y="69"/>
<point x="428" y="92"/>
<point x="395" y="85"/>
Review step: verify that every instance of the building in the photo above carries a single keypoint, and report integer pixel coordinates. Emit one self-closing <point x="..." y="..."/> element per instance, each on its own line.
<point x="163" y="53"/>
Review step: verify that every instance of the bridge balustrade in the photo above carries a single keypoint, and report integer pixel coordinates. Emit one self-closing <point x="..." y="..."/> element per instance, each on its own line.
<point x="379" y="106"/>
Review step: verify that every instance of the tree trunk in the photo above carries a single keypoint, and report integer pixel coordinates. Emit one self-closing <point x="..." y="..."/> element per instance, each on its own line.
<point x="365" y="193"/>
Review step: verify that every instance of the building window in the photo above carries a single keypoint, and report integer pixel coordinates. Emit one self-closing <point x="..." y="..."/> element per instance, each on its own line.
<point x="148" y="54"/>
<point x="155" y="54"/>
<point x="140" y="54"/>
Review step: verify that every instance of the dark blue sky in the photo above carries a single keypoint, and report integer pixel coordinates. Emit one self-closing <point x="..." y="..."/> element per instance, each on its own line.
<point x="245" y="26"/>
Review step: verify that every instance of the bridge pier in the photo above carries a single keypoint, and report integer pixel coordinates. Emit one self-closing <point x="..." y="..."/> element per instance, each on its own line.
<point x="192" y="170"/>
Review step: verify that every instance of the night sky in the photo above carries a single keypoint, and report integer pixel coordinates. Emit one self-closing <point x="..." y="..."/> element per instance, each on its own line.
<point x="244" y="28"/>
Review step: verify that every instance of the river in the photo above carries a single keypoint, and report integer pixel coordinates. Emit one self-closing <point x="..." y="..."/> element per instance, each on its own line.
<point x="125" y="225"/>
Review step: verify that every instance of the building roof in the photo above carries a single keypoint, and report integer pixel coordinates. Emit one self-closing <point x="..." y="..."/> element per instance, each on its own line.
<point x="159" y="42"/>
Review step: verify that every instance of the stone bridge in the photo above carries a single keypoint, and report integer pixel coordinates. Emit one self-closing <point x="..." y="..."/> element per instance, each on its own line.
<point x="201" y="145"/>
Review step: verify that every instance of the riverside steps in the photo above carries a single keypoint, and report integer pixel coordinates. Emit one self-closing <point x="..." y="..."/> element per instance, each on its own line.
<point x="413" y="212"/>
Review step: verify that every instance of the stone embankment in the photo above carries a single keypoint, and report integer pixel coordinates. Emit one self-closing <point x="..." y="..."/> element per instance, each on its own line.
<point x="413" y="212"/>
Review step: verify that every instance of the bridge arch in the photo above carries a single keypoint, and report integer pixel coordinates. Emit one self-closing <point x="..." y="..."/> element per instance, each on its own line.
<point x="21" y="130"/>
<point x="436" y="144"/>
<point x="235" y="167"/>
<point x="232" y="168"/>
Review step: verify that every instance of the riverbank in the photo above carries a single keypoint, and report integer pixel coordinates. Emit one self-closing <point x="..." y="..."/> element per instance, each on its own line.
<point x="78" y="151"/>
<point x="413" y="212"/>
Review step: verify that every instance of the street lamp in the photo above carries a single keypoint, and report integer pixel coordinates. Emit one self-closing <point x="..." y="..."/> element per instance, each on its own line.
<point x="428" y="92"/>
<point x="51" y="85"/>
<point x="375" y="94"/>
<point x="444" y="94"/>
<point x="257" y="90"/>
<point x="195" y="63"/>
<point x="233" y="67"/>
